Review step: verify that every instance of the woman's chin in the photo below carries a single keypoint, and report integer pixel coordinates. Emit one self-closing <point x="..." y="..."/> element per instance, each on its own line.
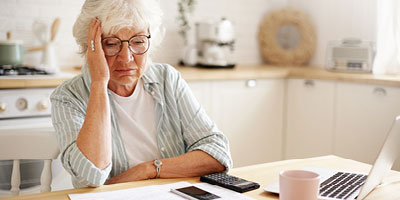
<point x="126" y="80"/>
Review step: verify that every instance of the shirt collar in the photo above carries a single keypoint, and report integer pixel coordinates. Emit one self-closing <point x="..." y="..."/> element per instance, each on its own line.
<point x="149" y="75"/>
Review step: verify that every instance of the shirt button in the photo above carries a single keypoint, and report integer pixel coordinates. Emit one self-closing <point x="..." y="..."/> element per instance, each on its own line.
<point x="162" y="149"/>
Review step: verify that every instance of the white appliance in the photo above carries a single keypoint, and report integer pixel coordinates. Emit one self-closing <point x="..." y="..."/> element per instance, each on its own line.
<point x="350" y="55"/>
<point x="215" y="44"/>
<point x="26" y="112"/>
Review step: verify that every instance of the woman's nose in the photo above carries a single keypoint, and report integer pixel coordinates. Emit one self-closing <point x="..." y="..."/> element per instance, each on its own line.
<point x="125" y="55"/>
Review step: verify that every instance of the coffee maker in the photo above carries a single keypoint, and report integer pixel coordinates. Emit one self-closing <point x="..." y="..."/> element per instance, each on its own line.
<point x="215" y="44"/>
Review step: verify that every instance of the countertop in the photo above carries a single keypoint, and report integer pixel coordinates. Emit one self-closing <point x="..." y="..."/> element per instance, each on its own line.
<point x="265" y="174"/>
<point x="269" y="71"/>
<point x="238" y="73"/>
<point x="40" y="81"/>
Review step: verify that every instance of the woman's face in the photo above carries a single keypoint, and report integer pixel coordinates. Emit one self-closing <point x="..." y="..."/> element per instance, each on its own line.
<point x="126" y="67"/>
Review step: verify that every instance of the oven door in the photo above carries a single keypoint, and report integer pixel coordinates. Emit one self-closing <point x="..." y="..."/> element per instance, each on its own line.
<point x="17" y="135"/>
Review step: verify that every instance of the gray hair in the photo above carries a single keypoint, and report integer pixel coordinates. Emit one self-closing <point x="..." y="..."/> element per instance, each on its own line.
<point x="118" y="14"/>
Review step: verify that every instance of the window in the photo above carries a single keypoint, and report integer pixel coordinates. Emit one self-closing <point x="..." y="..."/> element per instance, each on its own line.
<point x="387" y="59"/>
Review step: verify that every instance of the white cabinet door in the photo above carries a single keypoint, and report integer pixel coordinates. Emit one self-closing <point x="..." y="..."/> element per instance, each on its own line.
<point x="309" y="118"/>
<point x="364" y="116"/>
<point x="202" y="91"/>
<point x="250" y="113"/>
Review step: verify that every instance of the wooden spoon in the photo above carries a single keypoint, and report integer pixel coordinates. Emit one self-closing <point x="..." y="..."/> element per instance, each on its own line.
<point x="54" y="28"/>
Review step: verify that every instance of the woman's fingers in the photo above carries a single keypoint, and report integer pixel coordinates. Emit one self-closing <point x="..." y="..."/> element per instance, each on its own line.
<point x="93" y="29"/>
<point x="95" y="56"/>
<point x="99" y="31"/>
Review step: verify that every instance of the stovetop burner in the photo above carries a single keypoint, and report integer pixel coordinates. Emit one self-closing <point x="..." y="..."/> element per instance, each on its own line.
<point x="11" y="70"/>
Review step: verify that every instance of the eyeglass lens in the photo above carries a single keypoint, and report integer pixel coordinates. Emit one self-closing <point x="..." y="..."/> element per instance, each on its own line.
<point x="138" y="45"/>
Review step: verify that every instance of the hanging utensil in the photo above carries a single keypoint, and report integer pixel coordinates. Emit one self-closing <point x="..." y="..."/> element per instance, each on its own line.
<point x="49" y="58"/>
<point x="40" y="30"/>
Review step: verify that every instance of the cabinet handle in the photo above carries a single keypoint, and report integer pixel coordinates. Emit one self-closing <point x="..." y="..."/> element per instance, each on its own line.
<point x="251" y="83"/>
<point x="309" y="83"/>
<point x="380" y="92"/>
<point x="3" y="107"/>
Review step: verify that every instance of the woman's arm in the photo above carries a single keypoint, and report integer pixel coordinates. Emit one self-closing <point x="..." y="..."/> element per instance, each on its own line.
<point x="94" y="138"/>
<point x="195" y="163"/>
<point x="207" y="148"/>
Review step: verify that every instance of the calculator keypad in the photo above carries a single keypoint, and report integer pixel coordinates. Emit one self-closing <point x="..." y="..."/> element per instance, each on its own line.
<point x="225" y="178"/>
<point x="230" y="182"/>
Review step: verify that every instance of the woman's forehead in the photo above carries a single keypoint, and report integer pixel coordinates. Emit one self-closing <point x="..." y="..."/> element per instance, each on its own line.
<point x="126" y="31"/>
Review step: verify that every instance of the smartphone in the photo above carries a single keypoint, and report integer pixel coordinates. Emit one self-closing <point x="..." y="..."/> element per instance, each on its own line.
<point x="194" y="193"/>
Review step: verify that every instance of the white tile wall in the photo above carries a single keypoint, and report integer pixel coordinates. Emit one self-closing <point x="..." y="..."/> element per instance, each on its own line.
<point x="334" y="19"/>
<point x="246" y="16"/>
<point x="337" y="19"/>
<point x="18" y="16"/>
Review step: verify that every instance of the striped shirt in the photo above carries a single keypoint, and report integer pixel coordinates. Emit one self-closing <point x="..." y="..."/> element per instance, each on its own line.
<point x="182" y="124"/>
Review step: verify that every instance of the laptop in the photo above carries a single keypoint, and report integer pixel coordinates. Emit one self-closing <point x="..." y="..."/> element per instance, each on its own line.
<point x="347" y="185"/>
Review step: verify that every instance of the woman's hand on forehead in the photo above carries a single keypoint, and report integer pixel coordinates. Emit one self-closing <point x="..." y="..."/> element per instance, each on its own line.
<point x="97" y="62"/>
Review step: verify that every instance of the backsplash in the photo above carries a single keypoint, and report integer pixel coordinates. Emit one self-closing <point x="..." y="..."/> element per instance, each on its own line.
<point x="338" y="19"/>
<point x="330" y="18"/>
<point x="18" y="17"/>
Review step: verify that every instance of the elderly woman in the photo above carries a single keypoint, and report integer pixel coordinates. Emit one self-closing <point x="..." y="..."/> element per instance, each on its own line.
<point x="126" y="118"/>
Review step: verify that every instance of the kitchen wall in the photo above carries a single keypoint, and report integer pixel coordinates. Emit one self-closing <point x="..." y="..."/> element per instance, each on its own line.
<point x="246" y="16"/>
<point x="18" y="16"/>
<point x="334" y="19"/>
<point x="337" y="19"/>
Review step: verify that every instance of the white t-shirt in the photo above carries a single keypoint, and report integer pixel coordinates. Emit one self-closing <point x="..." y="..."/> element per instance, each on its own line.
<point x="137" y="123"/>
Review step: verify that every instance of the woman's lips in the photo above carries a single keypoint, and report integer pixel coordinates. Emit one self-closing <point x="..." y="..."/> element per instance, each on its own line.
<point x="126" y="71"/>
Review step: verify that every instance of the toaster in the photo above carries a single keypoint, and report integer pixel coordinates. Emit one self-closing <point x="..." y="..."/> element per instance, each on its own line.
<point x="350" y="55"/>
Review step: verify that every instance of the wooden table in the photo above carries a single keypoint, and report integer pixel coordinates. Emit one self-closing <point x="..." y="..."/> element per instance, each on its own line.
<point x="264" y="174"/>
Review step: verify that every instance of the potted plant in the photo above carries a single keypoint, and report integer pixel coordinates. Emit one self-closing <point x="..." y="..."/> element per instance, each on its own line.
<point x="185" y="9"/>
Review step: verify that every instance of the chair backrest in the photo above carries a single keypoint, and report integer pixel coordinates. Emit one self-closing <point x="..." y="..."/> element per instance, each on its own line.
<point x="33" y="145"/>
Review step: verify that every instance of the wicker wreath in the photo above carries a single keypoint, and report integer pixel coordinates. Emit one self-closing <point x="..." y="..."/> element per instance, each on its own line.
<point x="273" y="52"/>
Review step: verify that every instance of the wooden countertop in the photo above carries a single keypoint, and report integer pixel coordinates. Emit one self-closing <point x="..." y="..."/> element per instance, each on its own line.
<point x="264" y="174"/>
<point x="268" y="71"/>
<point x="237" y="73"/>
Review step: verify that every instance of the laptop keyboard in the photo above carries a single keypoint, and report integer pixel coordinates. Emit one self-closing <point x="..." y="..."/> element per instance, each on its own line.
<point x="341" y="185"/>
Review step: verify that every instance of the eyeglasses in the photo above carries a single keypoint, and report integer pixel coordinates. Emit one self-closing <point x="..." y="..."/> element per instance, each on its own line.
<point x="138" y="45"/>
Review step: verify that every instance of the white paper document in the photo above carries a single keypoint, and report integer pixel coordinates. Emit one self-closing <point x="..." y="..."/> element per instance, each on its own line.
<point x="159" y="192"/>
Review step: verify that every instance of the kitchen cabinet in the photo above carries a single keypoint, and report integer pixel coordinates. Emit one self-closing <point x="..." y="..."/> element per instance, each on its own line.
<point x="202" y="91"/>
<point x="250" y="113"/>
<point x="364" y="115"/>
<point x="309" y="118"/>
<point x="272" y="119"/>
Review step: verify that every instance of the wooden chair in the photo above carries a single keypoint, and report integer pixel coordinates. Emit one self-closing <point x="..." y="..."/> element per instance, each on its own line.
<point x="32" y="144"/>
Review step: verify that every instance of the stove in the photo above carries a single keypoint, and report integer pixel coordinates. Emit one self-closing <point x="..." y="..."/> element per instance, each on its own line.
<point x="25" y="103"/>
<point x="16" y="70"/>
<point x="25" y="112"/>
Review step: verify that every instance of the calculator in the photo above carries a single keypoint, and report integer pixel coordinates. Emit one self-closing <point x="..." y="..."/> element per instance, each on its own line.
<point x="230" y="182"/>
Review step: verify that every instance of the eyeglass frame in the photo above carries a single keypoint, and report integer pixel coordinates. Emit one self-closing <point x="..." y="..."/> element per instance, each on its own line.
<point x="129" y="45"/>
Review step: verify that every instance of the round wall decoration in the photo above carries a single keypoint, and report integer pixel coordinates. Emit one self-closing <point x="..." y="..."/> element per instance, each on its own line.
<point x="287" y="37"/>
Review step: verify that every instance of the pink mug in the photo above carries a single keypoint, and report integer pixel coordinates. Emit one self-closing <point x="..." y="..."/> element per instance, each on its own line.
<point x="298" y="185"/>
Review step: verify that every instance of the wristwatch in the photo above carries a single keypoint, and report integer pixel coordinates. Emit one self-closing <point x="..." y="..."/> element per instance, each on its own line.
<point x="157" y="163"/>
